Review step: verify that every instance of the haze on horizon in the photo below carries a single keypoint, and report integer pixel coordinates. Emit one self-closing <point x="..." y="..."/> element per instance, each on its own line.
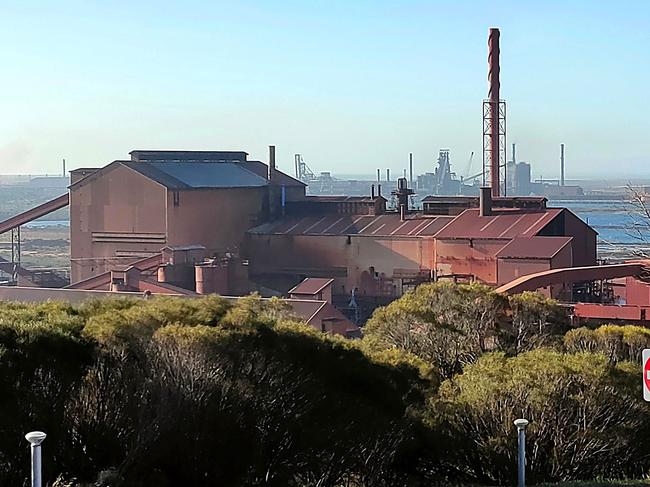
<point x="352" y="86"/>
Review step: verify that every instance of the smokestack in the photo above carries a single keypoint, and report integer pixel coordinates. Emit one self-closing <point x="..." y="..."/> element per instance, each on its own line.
<point x="493" y="98"/>
<point x="485" y="201"/>
<point x="271" y="162"/>
<point x="411" y="169"/>
<point x="378" y="176"/>
<point x="387" y="174"/>
<point x="63" y="167"/>
<point x="561" y="164"/>
<point x="379" y="190"/>
<point x="372" y="191"/>
<point x="514" y="153"/>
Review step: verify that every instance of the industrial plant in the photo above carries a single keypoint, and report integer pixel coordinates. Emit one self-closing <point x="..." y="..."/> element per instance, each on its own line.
<point x="188" y="223"/>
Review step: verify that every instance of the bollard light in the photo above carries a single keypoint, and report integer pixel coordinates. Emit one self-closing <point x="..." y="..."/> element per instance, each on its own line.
<point x="35" y="439"/>
<point x="521" y="445"/>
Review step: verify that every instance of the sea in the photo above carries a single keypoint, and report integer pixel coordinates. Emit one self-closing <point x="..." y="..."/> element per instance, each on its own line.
<point x="622" y="232"/>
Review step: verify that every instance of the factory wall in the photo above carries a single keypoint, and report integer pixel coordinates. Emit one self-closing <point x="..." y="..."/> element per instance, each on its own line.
<point x="375" y="266"/>
<point x="469" y="257"/>
<point x="510" y="269"/>
<point x="122" y="215"/>
<point x="637" y="292"/>
<point x="214" y="218"/>
<point x="118" y="214"/>
<point x="584" y="240"/>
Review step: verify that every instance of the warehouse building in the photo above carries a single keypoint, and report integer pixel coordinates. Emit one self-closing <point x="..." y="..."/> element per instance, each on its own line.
<point x="375" y="258"/>
<point x="133" y="208"/>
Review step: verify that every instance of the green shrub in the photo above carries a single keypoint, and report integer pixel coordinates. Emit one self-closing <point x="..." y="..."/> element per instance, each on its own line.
<point x="587" y="417"/>
<point x="449" y="325"/>
<point x="203" y="392"/>
<point x="618" y="343"/>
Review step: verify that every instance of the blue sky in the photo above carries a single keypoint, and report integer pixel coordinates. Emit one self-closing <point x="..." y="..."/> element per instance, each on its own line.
<point x="351" y="85"/>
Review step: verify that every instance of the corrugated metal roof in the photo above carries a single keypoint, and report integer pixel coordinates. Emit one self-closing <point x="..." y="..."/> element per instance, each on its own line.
<point x="504" y="224"/>
<point x="262" y="170"/>
<point x="533" y="247"/>
<point x="311" y="285"/>
<point x="378" y="226"/>
<point x="194" y="175"/>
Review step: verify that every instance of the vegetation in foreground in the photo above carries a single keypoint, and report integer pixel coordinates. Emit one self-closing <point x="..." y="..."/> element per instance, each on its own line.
<point x="204" y="392"/>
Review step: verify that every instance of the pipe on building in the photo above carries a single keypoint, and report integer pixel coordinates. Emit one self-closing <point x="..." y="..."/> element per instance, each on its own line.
<point x="402" y="212"/>
<point x="485" y="201"/>
<point x="372" y="191"/>
<point x="379" y="190"/>
<point x="561" y="164"/>
<point x="411" y="169"/>
<point x="493" y="98"/>
<point x="271" y="163"/>
<point x="378" y="176"/>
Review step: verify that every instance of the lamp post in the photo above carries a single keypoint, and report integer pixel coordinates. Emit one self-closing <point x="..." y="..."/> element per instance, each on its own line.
<point x="521" y="457"/>
<point x="35" y="439"/>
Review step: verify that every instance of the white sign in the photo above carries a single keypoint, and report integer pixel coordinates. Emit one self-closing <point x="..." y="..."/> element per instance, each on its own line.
<point x="645" y="364"/>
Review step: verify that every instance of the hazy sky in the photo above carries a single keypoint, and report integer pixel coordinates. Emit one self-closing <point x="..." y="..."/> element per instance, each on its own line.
<point x="352" y="85"/>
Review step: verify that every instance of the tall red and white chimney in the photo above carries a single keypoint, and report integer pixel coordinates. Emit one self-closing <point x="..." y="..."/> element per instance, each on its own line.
<point x="493" y="98"/>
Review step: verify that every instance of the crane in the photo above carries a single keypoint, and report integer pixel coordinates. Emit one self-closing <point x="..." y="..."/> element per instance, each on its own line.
<point x="303" y="172"/>
<point x="469" y="165"/>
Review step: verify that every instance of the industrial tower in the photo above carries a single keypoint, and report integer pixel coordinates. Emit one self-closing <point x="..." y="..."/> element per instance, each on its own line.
<point x="494" y="124"/>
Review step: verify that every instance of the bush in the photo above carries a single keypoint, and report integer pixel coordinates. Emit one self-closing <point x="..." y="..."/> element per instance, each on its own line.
<point x="202" y="392"/>
<point x="449" y="325"/>
<point x="587" y="417"/>
<point x="618" y="343"/>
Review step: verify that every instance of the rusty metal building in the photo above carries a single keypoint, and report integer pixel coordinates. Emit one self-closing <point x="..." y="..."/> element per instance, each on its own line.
<point x="377" y="257"/>
<point x="133" y="208"/>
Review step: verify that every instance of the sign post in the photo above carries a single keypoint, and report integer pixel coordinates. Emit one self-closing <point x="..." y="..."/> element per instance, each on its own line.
<point x="645" y="365"/>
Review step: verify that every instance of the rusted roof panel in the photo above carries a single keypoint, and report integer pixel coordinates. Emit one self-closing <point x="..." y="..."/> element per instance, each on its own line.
<point x="533" y="247"/>
<point x="502" y="224"/>
<point x="311" y="285"/>
<point x="386" y="225"/>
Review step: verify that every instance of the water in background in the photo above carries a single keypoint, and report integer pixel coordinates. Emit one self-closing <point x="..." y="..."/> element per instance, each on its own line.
<point x="621" y="235"/>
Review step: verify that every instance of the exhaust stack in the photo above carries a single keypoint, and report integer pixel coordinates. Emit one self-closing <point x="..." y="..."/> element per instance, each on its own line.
<point x="561" y="164"/>
<point x="494" y="69"/>
<point x="271" y="163"/>
<point x="485" y="201"/>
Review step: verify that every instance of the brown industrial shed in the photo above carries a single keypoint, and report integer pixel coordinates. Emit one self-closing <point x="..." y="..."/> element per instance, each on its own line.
<point x="380" y="256"/>
<point x="131" y="209"/>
